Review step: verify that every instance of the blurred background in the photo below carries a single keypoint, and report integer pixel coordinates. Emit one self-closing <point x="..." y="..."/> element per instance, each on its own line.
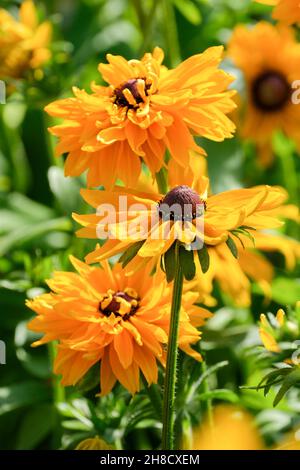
<point x="37" y="232"/>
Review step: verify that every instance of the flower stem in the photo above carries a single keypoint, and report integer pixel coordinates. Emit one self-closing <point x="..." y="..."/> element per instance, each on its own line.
<point x="171" y="32"/>
<point x="58" y="389"/>
<point x="161" y="181"/>
<point x="170" y="377"/>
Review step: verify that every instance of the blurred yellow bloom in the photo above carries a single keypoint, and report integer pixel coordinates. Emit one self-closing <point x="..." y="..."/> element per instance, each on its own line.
<point x="282" y="327"/>
<point x="24" y="42"/>
<point x="268" y="332"/>
<point x="287" y="11"/>
<point x="269" y="58"/>
<point x="232" y="429"/>
<point x="101" y="315"/>
<point x="94" y="443"/>
<point x="145" y="110"/>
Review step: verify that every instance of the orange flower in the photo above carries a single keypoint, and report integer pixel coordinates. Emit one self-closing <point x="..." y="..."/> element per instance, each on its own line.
<point x="233" y="428"/>
<point x="145" y="110"/>
<point x="24" y="43"/>
<point x="103" y="315"/>
<point x="269" y="58"/>
<point x="287" y="11"/>
<point x="222" y="214"/>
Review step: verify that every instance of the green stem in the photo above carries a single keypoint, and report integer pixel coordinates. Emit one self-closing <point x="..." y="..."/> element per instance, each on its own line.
<point x="171" y="32"/>
<point x="170" y="377"/>
<point x="58" y="389"/>
<point x="148" y="26"/>
<point x="290" y="176"/>
<point x="161" y="181"/>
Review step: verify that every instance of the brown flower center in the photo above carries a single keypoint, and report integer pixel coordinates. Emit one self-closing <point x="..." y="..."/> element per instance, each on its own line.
<point x="121" y="303"/>
<point x="131" y="93"/>
<point x="271" y="91"/>
<point x="181" y="203"/>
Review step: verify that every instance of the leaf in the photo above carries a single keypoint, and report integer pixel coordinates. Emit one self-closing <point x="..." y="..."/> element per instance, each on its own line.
<point x="204" y="260"/>
<point x="22" y="394"/>
<point x="65" y="189"/>
<point x="30" y="232"/>
<point x="186" y="260"/>
<point x="35" y="426"/>
<point x="232" y="247"/>
<point x="189" y="10"/>
<point x="285" y="291"/>
<point x="292" y="379"/>
<point x="129" y="254"/>
<point x="170" y="263"/>
<point x="90" y="380"/>
<point x="219" y="394"/>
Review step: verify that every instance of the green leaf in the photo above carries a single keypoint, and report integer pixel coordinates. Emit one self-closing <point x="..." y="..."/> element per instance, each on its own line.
<point x="204" y="259"/>
<point x="219" y="394"/>
<point x="35" y="426"/>
<point x="129" y="254"/>
<point x="232" y="247"/>
<point x="189" y="10"/>
<point x="90" y="380"/>
<point x="186" y="260"/>
<point x="170" y="262"/>
<point x="290" y="380"/>
<point x="22" y="394"/>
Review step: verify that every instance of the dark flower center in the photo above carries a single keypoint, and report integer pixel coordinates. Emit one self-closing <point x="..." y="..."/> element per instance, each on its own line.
<point x="181" y="203"/>
<point x="121" y="303"/>
<point x="271" y="91"/>
<point x="131" y="93"/>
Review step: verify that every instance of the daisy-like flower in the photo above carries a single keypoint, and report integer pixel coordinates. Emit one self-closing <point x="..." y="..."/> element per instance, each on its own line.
<point x="269" y="58"/>
<point x="234" y="275"/>
<point x="152" y="222"/>
<point x="101" y="315"/>
<point x="24" y="42"/>
<point x="145" y="110"/>
<point x="287" y="11"/>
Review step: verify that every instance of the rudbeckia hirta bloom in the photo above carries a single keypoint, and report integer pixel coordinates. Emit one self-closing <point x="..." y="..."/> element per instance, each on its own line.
<point x="144" y="110"/>
<point x="287" y="11"/>
<point x="150" y="225"/>
<point x="234" y="276"/>
<point x="269" y="58"/>
<point x="101" y="315"/>
<point x="23" y="43"/>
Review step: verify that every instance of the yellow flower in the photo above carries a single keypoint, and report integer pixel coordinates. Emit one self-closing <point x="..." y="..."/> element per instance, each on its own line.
<point x="269" y="58"/>
<point x="268" y="332"/>
<point x="24" y="43"/>
<point x="233" y="429"/>
<point x="287" y="11"/>
<point x="234" y="275"/>
<point x="145" y="110"/>
<point x="210" y="219"/>
<point x="103" y="315"/>
<point x="94" y="443"/>
<point x="282" y="327"/>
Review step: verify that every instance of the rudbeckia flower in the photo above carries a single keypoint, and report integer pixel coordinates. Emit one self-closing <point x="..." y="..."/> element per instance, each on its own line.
<point x="287" y="11"/>
<point x="144" y="110"/>
<point x="24" y="42"/>
<point x="149" y="225"/>
<point x="101" y="315"/>
<point x="269" y="58"/>
<point x="234" y="276"/>
<point x="233" y="428"/>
